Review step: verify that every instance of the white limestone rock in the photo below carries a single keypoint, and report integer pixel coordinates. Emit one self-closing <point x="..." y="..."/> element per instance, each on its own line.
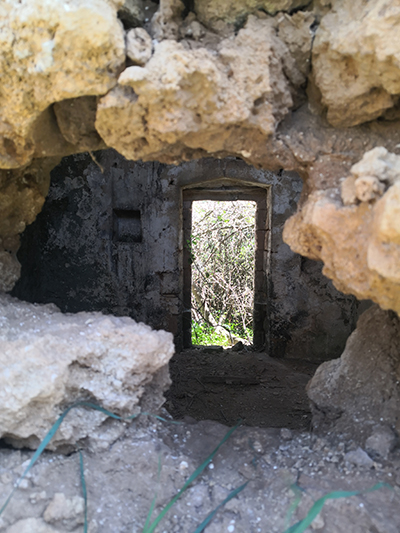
<point x="356" y="60"/>
<point x="49" y="360"/>
<point x="138" y="46"/>
<point x="193" y="98"/>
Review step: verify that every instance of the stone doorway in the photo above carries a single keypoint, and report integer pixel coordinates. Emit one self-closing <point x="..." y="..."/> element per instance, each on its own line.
<point x="232" y="192"/>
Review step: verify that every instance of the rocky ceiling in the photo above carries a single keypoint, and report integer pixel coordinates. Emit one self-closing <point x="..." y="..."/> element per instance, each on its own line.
<point x="306" y="86"/>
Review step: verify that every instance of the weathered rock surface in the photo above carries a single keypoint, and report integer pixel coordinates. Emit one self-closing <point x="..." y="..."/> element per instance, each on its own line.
<point x="167" y="19"/>
<point x="355" y="57"/>
<point x="138" y="47"/>
<point x="360" y="242"/>
<point x="49" y="360"/>
<point x="371" y="177"/>
<point x="132" y="13"/>
<point x="28" y="525"/>
<point x="22" y="194"/>
<point x="349" y="395"/>
<point x="213" y="12"/>
<point x="65" y="511"/>
<point x="193" y="99"/>
<point x="75" y="119"/>
<point x="51" y="51"/>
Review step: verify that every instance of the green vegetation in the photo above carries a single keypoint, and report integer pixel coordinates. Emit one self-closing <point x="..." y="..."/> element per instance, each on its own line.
<point x="205" y="335"/>
<point x="222" y="252"/>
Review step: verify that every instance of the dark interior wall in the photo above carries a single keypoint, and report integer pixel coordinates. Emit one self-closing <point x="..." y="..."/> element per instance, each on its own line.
<point x="78" y="253"/>
<point x="109" y="239"/>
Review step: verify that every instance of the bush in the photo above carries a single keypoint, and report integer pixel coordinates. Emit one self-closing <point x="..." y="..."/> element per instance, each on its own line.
<point x="222" y="250"/>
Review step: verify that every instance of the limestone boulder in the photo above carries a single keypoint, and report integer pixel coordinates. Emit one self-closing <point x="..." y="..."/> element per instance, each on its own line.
<point x="356" y="60"/>
<point x="197" y="99"/>
<point x="356" y="234"/>
<point x="50" y="51"/>
<point x="50" y="360"/>
<point x="358" y="395"/>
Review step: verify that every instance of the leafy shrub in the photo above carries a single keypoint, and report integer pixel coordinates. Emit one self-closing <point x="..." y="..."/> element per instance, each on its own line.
<point x="222" y="250"/>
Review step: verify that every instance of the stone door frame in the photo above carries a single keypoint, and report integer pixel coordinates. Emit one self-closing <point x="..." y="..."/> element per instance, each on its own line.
<point x="227" y="190"/>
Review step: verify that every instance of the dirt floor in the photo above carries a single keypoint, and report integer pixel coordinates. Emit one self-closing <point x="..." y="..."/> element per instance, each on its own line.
<point x="282" y="464"/>
<point x="280" y="459"/>
<point x="156" y="459"/>
<point x="227" y="385"/>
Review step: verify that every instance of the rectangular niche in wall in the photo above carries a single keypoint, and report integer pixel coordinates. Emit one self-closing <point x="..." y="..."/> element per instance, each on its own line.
<point x="127" y="225"/>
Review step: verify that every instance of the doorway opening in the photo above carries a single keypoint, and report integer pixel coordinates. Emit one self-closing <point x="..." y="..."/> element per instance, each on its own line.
<point x="222" y="253"/>
<point x="226" y="250"/>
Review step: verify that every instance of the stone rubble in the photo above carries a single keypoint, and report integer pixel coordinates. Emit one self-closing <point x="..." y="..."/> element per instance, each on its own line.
<point x="123" y="479"/>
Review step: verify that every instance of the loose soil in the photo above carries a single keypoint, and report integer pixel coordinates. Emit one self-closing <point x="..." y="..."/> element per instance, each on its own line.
<point x="156" y="459"/>
<point x="227" y="385"/>
<point x="153" y="459"/>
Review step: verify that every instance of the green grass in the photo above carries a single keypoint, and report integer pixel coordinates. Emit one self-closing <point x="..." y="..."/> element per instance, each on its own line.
<point x="205" y="335"/>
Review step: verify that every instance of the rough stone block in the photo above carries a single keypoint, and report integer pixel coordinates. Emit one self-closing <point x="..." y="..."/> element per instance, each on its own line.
<point x="50" y="360"/>
<point x="352" y="394"/>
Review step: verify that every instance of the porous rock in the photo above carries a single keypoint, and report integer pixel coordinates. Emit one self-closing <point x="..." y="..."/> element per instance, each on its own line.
<point x="359" y="242"/>
<point x="212" y="12"/>
<point x="50" y="360"/>
<point x="348" y="395"/>
<point x="194" y="99"/>
<point x="167" y="19"/>
<point x="356" y="60"/>
<point x="370" y="177"/>
<point x="138" y="46"/>
<point x="63" y="50"/>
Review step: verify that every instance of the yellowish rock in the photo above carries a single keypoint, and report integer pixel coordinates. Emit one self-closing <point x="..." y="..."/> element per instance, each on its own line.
<point x="63" y="49"/>
<point x="192" y="98"/>
<point x="210" y="12"/>
<point x="355" y="60"/>
<point x="357" y="257"/>
<point x="384" y="247"/>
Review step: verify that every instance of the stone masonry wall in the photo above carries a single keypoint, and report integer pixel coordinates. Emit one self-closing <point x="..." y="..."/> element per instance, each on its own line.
<point x="111" y="241"/>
